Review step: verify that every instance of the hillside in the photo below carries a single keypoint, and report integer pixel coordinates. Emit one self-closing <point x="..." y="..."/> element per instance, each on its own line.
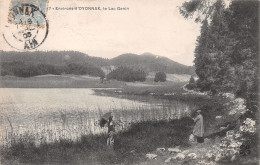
<point x="151" y="63"/>
<point x="29" y="64"/>
<point x="74" y="62"/>
<point x="52" y="58"/>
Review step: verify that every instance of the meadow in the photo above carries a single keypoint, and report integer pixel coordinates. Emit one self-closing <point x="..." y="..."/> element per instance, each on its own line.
<point x="55" y="81"/>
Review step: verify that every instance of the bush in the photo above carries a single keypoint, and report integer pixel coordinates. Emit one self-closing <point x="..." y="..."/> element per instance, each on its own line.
<point x="160" y="77"/>
<point x="190" y="86"/>
<point x="127" y="74"/>
<point x="203" y="85"/>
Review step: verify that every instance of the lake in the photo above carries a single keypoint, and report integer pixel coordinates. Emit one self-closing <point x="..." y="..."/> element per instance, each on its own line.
<point x="49" y="114"/>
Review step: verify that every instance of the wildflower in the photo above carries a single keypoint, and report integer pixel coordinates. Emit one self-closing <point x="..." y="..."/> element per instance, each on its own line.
<point x="221" y="150"/>
<point x="249" y="121"/>
<point x="233" y="145"/>
<point x="230" y="133"/>
<point x="209" y="155"/>
<point x="251" y="130"/>
<point x="223" y="145"/>
<point x="243" y="112"/>
<point x="176" y="149"/>
<point x="233" y="151"/>
<point x="239" y="100"/>
<point x="192" y="155"/>
<point x="180" y="156"/>
<point x="229" y="95"/>
<point x="151" y="156"/>
<point x="218" y="157"/>
<point x="201" y="162"/>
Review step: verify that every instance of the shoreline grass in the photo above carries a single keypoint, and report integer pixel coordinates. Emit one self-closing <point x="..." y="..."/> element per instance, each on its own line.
<point x="71" y="125"/>
<point x="130" y="145"/>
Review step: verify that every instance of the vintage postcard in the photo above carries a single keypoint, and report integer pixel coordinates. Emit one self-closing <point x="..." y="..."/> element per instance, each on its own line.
<point x="129" y="82"/>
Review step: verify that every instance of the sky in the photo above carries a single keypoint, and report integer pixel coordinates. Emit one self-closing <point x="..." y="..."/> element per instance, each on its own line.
<point x="153" y="26"/>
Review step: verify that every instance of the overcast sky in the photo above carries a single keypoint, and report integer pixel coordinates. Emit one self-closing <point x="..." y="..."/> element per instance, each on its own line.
<point x="153" y="26"/>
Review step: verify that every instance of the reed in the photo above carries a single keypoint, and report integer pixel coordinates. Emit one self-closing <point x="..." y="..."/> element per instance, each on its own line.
<point x="72" y="125"/>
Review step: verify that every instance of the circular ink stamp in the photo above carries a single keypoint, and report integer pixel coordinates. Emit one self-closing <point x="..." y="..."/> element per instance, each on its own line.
<point x="27" y="27"/>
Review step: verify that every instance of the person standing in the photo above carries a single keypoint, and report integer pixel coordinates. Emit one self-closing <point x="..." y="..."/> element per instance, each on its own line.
<point x="111" y="132"/>
<point x="107" y="120"/>
<point x="198" y="130"/>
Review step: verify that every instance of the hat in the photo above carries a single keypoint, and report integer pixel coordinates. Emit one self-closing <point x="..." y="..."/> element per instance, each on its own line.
<point x="104" y="119"/>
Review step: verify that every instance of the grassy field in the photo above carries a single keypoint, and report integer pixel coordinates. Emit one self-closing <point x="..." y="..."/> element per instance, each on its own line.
<point x="56" y="81"/>
<point x="81" y="81"/>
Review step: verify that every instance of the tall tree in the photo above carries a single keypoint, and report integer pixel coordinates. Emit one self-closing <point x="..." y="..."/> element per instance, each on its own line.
<point x="226" y="54"/>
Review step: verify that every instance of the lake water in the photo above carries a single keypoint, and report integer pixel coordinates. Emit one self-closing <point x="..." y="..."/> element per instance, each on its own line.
<point x="42" y="100"/>
<point x="55" y="113"/>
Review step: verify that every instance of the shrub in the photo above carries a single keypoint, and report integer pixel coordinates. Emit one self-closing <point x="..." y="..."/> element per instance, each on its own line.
<point x="160" y="77"/>
<point x="190" y="86"/>
<point x="127" y="74"/>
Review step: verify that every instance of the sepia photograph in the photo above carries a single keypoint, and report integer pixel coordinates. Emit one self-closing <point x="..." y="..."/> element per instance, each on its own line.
<point x="129" y="82"/>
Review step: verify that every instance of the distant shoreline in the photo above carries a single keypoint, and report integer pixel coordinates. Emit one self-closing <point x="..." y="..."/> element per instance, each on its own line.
<point x="55" y="81"/>
<point x="81" y="81"/>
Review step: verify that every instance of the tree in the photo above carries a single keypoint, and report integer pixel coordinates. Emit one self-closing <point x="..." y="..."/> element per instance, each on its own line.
<point x="160" y="77"/>
<point x="192" y="83"/>
<point x="192" y="80"/>
<point x="226" y="54"/>
<point x="199" y="9"/>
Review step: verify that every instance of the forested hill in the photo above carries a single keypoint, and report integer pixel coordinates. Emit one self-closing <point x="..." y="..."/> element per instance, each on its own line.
<point x="151" y="63"/>
<point x="28" y="64"/>
<point x="52" y="57"/>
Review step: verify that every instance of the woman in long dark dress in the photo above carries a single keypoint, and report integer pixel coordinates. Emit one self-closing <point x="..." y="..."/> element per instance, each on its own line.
<point x="198" y="130"/>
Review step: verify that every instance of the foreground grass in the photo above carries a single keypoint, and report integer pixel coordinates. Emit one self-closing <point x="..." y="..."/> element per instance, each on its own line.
<point x="130" y="145"/>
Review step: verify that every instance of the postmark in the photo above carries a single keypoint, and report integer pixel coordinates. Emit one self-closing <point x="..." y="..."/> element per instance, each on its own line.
<point x="27" y="27"/>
